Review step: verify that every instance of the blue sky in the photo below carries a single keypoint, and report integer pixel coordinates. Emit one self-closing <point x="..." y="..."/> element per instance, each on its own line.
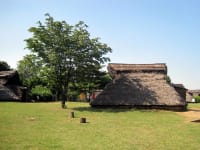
<point x="138" y="31"/>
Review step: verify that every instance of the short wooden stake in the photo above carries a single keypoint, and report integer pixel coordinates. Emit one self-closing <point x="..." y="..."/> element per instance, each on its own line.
<point x="82" y="120"/>
<point x="71" y="114"/>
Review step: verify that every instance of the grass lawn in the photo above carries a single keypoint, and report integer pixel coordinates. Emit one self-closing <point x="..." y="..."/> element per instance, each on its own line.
<point x="43" y="126"/>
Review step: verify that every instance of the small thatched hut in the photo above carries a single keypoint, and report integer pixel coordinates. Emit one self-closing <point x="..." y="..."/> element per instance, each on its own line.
<point x="141" y="86"/>
<point x="10" y="87"/>
<point x="191" y="94"/>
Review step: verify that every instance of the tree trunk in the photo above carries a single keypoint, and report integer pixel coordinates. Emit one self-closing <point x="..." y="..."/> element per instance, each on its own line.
<point x="63" y="105"/>
<point x="61" y="95"/>
<point x="64" y="91"/>
<point x="64" y="99"/>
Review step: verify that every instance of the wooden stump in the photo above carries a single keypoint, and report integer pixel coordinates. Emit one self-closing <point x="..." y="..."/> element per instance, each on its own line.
<point x="72" y="114"/>
<point x="82" y="120"/>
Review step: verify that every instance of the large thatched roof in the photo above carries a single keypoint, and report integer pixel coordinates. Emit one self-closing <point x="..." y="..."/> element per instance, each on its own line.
<point x="142" y="85"/>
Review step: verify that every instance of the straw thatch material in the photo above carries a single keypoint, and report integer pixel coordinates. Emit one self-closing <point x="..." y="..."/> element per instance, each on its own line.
<point x="10" y="86"/>
<point x="131" y="68"/>
<point x="180" y="89"/>
<point x="142" y="85"/>
<point x="194" y="92"/>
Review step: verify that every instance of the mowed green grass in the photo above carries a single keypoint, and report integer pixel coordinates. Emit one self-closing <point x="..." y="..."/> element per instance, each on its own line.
<point x="43" y="126"/>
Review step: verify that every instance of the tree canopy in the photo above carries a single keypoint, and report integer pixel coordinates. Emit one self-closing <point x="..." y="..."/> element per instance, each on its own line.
<point x="68" y="53"/>
<point x="4" y="66"/>
<point x="29" y="69"/>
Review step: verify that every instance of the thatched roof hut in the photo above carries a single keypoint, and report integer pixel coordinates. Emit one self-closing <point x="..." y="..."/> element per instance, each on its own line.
<point x="194" y="92"/>
<point x="191" y="94"/>
<point x="10" y="86"/>
<point x="139" y="85"/>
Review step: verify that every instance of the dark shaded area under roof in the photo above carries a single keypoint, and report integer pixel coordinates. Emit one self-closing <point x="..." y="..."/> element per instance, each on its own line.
<point x="11" y="88"/>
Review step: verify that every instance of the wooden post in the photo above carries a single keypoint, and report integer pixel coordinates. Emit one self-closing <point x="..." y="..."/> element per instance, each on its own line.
<point x="71" y="114"/>
<point x="82" y="120"/>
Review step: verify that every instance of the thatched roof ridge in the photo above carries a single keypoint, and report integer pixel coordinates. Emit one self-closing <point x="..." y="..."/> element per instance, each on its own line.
<point x="157" y="67"/>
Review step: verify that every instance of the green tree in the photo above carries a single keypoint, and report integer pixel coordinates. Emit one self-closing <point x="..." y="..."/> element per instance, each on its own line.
<point x="29" y="69"/>
<point x="104" y="79"/>
<point x="197" y="99"/>
<point x="69" y="53"/>
<point x="97" y="80"/>
<point x="40" y="92"/>
<point x="4" y="66"/>
<point x="168" y="79"/>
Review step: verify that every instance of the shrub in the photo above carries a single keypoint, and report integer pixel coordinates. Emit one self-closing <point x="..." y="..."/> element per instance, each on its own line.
<point x="168" y="79"/>
<point x="197" y="99"/>
<point x="4" y="66"/>
<point x="41" y="93"/>
<point x="72" y="95"/>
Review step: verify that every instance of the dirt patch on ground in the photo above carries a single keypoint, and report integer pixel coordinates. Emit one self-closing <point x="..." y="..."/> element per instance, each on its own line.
<point x="192" y="115"/>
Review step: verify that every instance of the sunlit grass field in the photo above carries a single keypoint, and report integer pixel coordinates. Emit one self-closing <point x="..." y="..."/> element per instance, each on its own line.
<point x="45" y="126"/>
